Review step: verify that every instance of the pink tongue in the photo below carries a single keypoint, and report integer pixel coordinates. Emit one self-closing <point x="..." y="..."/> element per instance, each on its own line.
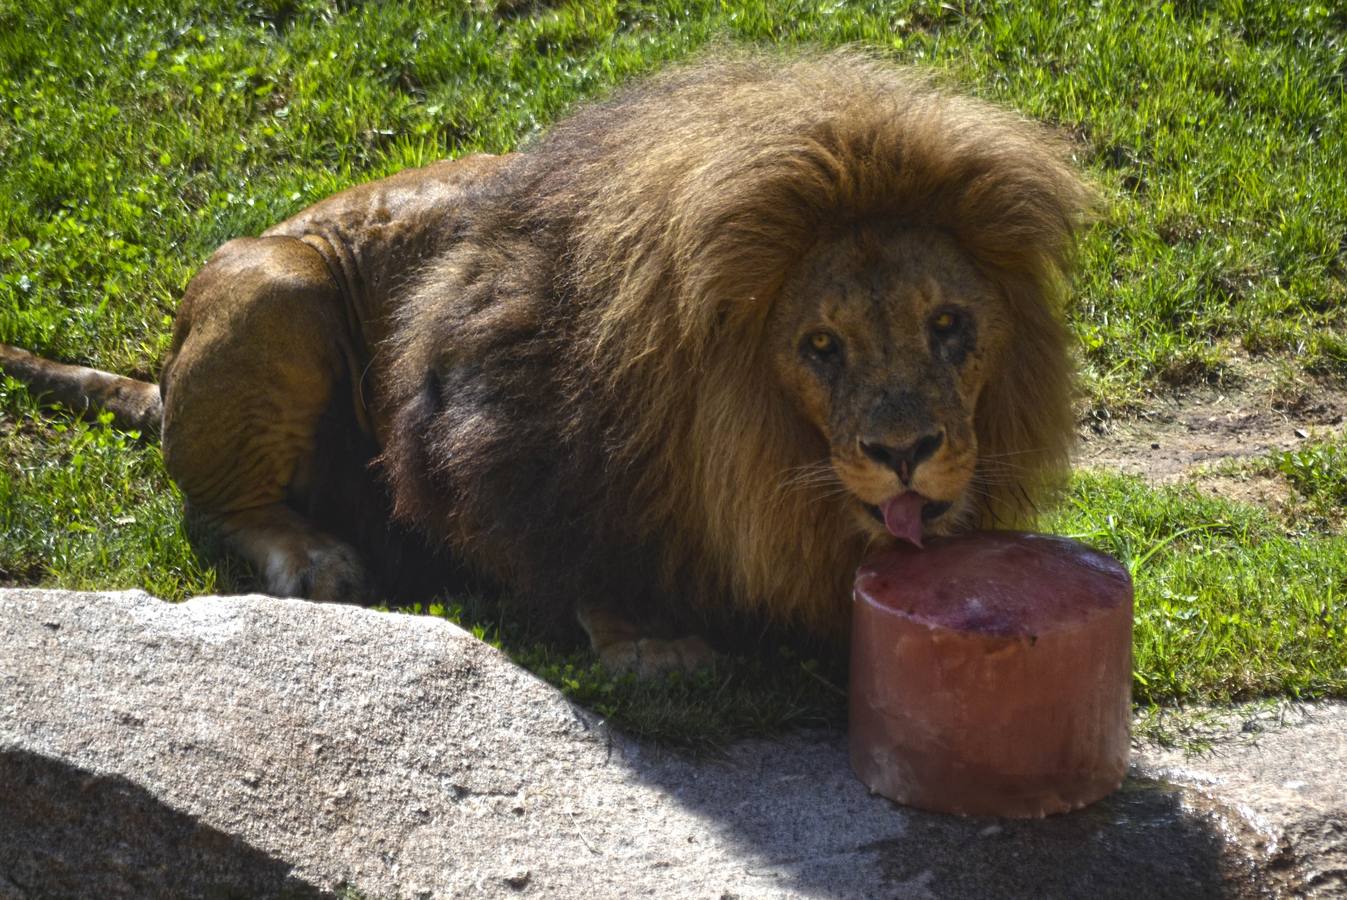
<point x="902" y="516"/>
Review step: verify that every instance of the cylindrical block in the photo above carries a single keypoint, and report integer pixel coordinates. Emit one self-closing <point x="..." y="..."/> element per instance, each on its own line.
<point x="991" y="674"/>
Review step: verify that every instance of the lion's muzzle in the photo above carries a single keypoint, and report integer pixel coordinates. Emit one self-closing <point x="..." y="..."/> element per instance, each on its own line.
<point x="902" y="460"/>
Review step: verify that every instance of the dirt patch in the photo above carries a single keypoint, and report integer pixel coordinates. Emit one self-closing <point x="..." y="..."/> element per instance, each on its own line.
<point x="1195" y="436"/>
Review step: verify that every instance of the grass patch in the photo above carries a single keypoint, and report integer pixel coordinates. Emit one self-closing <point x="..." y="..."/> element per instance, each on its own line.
<point x="1317" y="474"/>
<point x="1198" y="730"/>
<point x="136" y="139"/>
<point x="86" y="506"/>
<point x="1318" y="470"/>
<point x="742" y="697"/>
<point x="1229" y="606"/>
<point x="772" y="690"/>
<point x="1314" y="474"/>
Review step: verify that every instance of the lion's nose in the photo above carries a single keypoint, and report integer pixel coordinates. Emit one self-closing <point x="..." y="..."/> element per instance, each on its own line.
<point x="903" y="459"/>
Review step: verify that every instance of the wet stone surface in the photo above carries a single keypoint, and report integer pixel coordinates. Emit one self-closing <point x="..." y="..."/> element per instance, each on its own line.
<point x="250" y="746"/>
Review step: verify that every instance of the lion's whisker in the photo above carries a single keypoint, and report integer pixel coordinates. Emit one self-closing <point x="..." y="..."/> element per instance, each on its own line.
<point x="1002" y="466"/>
<point x="812" y="477"/>
<point x="799" y="484"/>
<point x="1021" y="452"/>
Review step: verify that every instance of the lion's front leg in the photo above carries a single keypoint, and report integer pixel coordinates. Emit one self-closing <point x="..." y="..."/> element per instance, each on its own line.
<point x="291" y="557"/>
<point x="259" y="345"/>
<point x="624" y="646"/>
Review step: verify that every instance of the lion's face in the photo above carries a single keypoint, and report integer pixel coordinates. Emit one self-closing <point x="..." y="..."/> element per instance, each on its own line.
<point x="885" y="339"/>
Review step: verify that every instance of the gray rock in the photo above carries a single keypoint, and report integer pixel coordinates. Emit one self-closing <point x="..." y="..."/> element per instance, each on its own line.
<point x="249" y="746"/>
<point x="1283" y="774"/>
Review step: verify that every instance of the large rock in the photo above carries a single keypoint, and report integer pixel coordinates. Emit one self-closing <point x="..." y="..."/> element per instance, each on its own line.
<point x="249" y="746"/>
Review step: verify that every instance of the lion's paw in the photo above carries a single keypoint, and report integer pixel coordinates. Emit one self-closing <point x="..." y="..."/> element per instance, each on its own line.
<point x="327" y="571"/>
<point x="336" y="574"/>
<point x="652" y="657"/>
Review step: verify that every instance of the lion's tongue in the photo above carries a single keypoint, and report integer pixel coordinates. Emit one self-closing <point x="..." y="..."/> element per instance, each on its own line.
<point x="902" y="516"/>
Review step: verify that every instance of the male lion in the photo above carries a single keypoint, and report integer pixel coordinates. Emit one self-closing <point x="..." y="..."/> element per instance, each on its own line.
<point x="684" y="358"/>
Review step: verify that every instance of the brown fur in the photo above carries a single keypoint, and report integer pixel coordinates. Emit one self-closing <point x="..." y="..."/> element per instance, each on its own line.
<point x="628" y="278"/>
<point x="578" y="364"/>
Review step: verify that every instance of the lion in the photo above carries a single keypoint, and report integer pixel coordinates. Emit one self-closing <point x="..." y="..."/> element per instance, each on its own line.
<point x="682" y="360"/>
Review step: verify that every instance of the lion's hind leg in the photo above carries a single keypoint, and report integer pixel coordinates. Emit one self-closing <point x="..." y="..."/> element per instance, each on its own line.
<point x="260" y="343"/>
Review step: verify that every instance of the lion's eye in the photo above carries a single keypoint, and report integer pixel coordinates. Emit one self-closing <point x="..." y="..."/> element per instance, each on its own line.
<point x="822" y="343"/>
<point x="945" y="323"/>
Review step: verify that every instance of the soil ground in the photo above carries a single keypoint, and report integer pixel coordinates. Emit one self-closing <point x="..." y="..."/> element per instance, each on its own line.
<point x="1214" y="435"/>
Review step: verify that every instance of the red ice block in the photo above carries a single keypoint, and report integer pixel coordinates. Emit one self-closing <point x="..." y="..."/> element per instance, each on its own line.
<point x="991" y="674"/>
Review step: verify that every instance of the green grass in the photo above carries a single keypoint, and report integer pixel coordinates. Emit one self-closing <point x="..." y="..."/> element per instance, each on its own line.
<point x="85" y="506"/>
<point x="1318" y="472"/>
<point x="1230" y="604"/>
<point x="773" y="689"/>
<point x="136" y="138"/>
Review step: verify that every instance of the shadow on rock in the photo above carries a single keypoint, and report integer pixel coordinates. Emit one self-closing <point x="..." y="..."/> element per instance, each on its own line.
<point x="1144" y="841"/>
<point x="795" y="808"/>
<point x="66" y="832"/>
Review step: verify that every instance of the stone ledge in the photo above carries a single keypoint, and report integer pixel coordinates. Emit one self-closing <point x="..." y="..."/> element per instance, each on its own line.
<point x="266" y="747"/>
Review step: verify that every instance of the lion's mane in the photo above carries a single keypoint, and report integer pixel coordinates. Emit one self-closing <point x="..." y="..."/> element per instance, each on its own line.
<point x="616" y="428"/>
